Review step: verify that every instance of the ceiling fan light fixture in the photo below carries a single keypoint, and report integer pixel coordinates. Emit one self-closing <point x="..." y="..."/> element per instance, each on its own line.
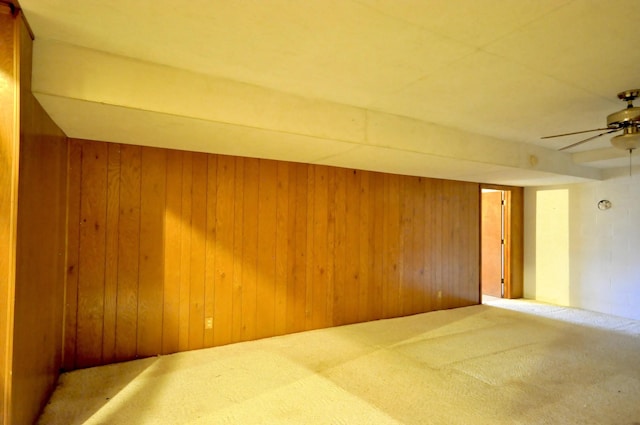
<point x="628" y="140"/>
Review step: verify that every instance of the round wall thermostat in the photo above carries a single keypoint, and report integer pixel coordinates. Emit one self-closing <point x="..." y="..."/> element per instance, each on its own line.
<point x="604" y="205"/>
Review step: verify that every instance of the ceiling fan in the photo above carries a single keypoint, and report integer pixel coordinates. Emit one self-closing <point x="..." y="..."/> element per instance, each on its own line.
<point x="626" y="120"/>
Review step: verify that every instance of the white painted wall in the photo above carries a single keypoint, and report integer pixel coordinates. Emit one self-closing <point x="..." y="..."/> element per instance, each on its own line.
<point x="578" y="255"/>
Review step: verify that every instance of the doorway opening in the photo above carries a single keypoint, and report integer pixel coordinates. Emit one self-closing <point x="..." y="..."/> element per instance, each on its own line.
<point x="501" y="239"/>
<point x="493" y="243"/>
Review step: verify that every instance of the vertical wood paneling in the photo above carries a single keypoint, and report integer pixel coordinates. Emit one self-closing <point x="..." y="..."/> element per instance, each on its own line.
<point x="515" y="260"/>
<point x="249" y="259"/>
<point x="364" y="249"/>
<point x="437" y="243"/>
<point x="350" y="302"/>
<point x="340" y="248"/>
<point x="198" y="195"/>
<point x="456" y="276"/>
<point x="429" y="292"/>
<point x="469" y="243"/>
<point x="447" y="221"/>
<point x="317" y="317"/>
<point x="298" y="294"/>
<point x="406" y="245"/>
<point x="281" y="248"/>
<point x="40" y="251"/>
<point x="377" y="256"/>
<point x="391" y="239"/>
<point x="291" y="248"/>
<point x="261" y="247"/>
<point x="267" y="239"/>
<point x="9" y="165"/>
<point x="151" y="270"/>
<point x="111" y="260"/>
<point x="310" y="248"/>
<point x="225" y="225"/>
<point x="210" y="249"/>
<point x="185" y="251"/>
<point x="236" y="253"/>
<point x="172" y="254"/>
<point x="74" y="196"/>
<point x="418" y="243"/>
<point x="472" y="235"/>
<point x="91" y="276"/>
<point x="128" y="253"/>
<point x="330" y="277"/>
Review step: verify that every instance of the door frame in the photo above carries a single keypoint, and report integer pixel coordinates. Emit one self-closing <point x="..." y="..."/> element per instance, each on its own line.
<point x="513" y="239"/>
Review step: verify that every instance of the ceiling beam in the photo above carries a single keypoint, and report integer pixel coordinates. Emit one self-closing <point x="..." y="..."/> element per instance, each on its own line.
<point x="119" y="99"/>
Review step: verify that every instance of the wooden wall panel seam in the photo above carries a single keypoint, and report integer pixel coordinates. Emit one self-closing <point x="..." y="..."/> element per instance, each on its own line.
<point x="111" y="255"/>
<point x="210" y="252"/>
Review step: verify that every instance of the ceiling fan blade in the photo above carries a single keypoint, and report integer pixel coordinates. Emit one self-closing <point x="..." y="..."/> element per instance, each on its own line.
<point x="588" y="139"/>
<point x="576" y="132"/>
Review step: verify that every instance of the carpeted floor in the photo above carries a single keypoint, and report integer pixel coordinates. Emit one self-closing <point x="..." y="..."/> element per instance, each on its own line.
<point x="504" y="362"/>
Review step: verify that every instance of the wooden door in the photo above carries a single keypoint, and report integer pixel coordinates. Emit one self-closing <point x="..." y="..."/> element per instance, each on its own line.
<point x="492" y="243"/>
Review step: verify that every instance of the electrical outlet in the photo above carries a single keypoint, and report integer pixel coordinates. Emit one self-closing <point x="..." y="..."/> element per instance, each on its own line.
<point x="208" y="323"/>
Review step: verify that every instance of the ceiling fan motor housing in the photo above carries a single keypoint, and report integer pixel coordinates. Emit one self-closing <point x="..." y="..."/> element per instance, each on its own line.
<point x="629" y="116"/>
<point x="628" y="120"/>
<point x="626" y="117"/>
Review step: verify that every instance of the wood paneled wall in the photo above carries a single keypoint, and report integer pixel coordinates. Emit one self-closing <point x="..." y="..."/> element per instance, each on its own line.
<point x="40" y="252"/>
<point x="40" y="262"/>
<point x="33" y="205"/>
<point x="160" y="241"/>
<point x="9" y="155"/>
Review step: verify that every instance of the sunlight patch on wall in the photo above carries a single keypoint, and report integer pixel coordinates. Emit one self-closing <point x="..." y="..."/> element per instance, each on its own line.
<point x="552" y="246"/>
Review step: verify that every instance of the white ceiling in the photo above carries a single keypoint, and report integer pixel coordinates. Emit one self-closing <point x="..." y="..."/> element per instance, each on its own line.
<point x="456" y="89"/>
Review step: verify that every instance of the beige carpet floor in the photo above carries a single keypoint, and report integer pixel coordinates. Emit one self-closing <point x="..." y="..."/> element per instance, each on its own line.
<point x="504" y="362"/>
